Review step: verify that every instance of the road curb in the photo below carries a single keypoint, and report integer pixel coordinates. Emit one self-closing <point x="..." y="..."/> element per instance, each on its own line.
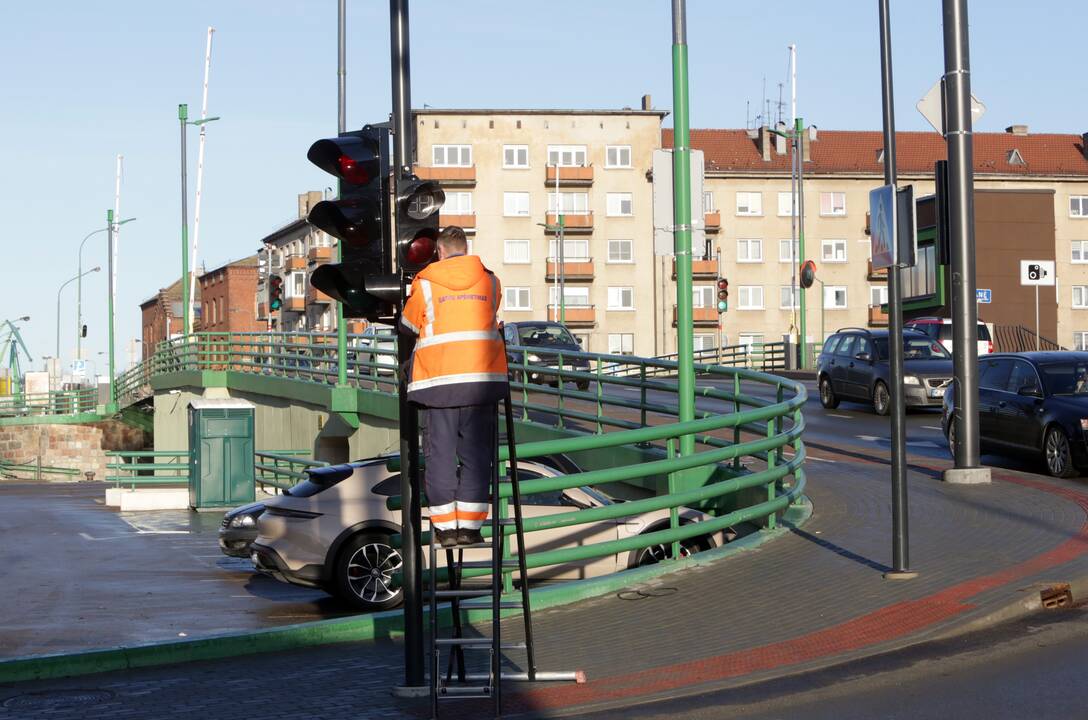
<point x="375" y="626"/>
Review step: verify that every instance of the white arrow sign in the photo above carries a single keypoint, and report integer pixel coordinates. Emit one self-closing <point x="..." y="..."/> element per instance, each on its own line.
<point x="930" y="107"/>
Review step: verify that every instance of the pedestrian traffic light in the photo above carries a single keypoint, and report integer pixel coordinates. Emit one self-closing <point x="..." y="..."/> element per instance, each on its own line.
<point x="275" y="292"/>
<point x="723" y="295"/>
<point x="418" y="203"/>
<point x="808" y="273"/>
<point x="359" y="219"/>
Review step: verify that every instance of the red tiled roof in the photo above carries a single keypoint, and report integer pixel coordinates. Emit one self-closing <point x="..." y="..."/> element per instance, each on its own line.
<point x="850" y="151"/>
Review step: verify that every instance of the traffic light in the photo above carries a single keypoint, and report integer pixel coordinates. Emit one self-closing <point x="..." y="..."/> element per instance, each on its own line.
<point x="275" y="292"/>
<point x="723" y="295"/>
<point x="808" y="273"/>
<point x="362" y="281"/>
<point x="418" y="203"/>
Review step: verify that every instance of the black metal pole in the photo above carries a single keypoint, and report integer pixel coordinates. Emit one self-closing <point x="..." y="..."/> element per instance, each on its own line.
<point x="900" y="539"/>
<point x="410" y="520"/>
<point x="961" y="202"/>
<point x="341" y="67"/>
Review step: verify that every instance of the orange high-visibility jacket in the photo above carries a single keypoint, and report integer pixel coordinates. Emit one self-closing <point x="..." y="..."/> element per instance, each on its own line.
<point x="459" y="358"/>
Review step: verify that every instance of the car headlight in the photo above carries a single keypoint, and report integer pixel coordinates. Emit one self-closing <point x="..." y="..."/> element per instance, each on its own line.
<point x="243" y="521"/>
<point x="533" y="358"/>
<point x="911" y="380"/>
<point x="1084" y="424"/>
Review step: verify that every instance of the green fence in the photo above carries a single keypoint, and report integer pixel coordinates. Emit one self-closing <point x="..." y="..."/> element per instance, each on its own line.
<point x="58" y="402"/>
<point x="35" y="470"/>
<point x="278" y="469"/>
<point x="282" y="469"/>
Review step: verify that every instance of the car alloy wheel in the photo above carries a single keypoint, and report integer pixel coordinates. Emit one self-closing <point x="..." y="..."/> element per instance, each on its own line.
<point x="881" y="399"/>
<point x="663" y="551"/>
<point x="1059" y="462"/>
<point x="827" y="394"/>
<point x="365" y="572"/>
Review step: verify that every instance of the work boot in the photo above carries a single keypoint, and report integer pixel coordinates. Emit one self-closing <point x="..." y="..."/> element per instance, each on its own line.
<point x="447" y="538"/>
<point x="469" y="537"/>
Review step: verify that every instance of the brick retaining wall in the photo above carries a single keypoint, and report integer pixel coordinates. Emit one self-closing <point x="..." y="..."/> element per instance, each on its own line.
<point x="81" y="447"/>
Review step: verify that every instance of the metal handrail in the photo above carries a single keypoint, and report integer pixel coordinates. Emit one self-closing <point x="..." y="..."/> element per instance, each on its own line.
<point x="54" y="402"/>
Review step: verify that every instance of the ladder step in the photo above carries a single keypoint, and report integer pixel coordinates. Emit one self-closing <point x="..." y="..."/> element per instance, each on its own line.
<point x="487" y="564"/>
<point x="440" y="594"/>
<point x="464" y="691"/>
<point x="477" y="643"/>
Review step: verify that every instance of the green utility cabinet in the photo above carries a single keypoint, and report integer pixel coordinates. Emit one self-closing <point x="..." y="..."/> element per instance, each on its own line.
<point x="221" y="472"/>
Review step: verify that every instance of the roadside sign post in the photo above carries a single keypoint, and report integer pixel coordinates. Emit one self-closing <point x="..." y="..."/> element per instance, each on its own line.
<point x="1037" y="273"/>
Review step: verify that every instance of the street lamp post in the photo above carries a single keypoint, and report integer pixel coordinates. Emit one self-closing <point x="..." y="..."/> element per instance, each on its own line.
<point x="65" y="284"/>
<point x="111" y="405"/>
<point x="183" y="120"/>
<point x="79" y="288"/>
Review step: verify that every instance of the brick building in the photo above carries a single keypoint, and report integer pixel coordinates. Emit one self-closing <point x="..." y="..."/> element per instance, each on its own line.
<point x="161" y="316"/>
<point x="228" y="298"/>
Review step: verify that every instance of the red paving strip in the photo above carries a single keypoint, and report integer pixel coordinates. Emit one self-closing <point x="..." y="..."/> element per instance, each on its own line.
<point x="883" y="625"/>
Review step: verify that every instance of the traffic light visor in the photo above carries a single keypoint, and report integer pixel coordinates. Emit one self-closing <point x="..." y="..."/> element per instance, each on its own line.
<point x="352" y="159"/>
<point x="358" y="222"/>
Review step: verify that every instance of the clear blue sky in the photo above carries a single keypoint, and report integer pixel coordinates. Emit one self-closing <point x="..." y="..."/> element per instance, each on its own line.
<point x="83" y="82"/>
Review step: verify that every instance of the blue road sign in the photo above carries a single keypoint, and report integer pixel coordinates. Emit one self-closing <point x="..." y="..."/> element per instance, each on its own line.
<point x="984" y="295"/>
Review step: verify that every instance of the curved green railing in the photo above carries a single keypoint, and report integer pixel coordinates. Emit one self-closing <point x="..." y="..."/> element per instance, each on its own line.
<point x="748" y="464"/>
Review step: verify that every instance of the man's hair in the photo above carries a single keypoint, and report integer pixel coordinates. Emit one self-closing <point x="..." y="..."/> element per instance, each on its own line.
<point x="452" y="240"/>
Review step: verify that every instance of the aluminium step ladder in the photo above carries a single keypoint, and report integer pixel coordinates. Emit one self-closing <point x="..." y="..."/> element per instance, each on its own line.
<point x="457" y="683"/>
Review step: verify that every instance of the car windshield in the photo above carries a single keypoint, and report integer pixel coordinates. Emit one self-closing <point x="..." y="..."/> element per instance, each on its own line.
<point x="1066" y="378"/>
<point x="600" y="495"/>
<point x="914" y="348"/>
<point x="545" y="335"/>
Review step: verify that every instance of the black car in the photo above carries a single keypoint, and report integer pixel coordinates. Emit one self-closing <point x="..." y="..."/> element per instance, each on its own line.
<point x="239" y="529"/>
<point x="1033" y="403"/>
<point x="854" y="365"/>
<point x="551" y="339"/>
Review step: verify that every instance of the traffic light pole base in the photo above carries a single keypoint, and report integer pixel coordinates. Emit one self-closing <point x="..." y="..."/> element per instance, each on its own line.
<point x="344" y="401"/>
<point x="900" y="575"/>
<point x="967" y="476"/>
<point x="411" y="691"/>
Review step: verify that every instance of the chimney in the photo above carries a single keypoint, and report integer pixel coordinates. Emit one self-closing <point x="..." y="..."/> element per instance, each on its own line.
<point x="779" y="141"/>
<point x="807" y="138"/>
<point x="1084" y="144"/>
<point x="1017" y="129"/>
<point x="764" y="143"/>
<point x="646" y="104"/>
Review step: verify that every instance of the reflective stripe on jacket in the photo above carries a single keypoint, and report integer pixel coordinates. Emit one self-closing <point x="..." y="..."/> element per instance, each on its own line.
<point x="459" y="358"/>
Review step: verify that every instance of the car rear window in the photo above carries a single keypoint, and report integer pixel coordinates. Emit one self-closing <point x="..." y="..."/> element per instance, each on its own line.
<point x="946" y="333"/>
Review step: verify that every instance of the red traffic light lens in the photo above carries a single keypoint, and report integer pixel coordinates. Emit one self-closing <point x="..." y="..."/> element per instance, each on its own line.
<point x="420" y="250"/>
<point x="353" y="172"/>
<point x="723" y="284"/>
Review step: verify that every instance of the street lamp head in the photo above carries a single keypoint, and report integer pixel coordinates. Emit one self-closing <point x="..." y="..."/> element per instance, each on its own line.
<point x="126" y="220"/>
<point x="24" y="318"/>
<point x="96" y="268"/>
<point x="204" y="121"/>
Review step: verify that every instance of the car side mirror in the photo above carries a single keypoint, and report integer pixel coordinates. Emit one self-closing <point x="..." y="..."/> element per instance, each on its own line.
<point x="1029" y="391"/>
<point x="863" y="356"/>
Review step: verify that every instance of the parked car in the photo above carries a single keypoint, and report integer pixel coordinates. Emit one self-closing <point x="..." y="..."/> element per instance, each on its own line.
<point x="854" y="365"/>
<point x="1033" y="404"/>
<point x="332" y="531"/>
<point x="940" y="329"/>
<point x="376" y="336"/>
<point x="239" y="529"/>
<point x="550" y="337"/>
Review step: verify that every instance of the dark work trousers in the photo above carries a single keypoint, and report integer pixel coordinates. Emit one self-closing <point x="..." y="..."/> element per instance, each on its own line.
<point x="458" y="497"/>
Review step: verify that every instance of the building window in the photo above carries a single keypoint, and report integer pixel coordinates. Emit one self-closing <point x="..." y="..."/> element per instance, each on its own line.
<point x="621" y="298"/>
<point x="785" y="204"/>
<point x="878" y="295"/>
<point x="1080" y="251"/>
<point x="296" y="285"/>
<point x="1080" y="297"/>
<point x="787" y="250"/>
<point x="451" y="155"/>
<point x="620" y="251"/>
<point x="515" y="156"/>
<point x="516" y="252"/>
<point x="567" y="155"/>
<point x="517" y="298"/>
<point x="621" y="344"/>
<point x="1078" y="206"/>
<point x="702" y="342"/>
<point x="790" y="298"/>
<point x="708" y="202"/>
<point x="703" y="296"/>
<point x="834" y="297"/>
<point x="749" y="203"/>
<point x="571" y="203"/>
<point x="834" y="251"/>
<point x="515" y="204"/>
<point x="832" y="203"/>
<point x="1080" y="340"/>
<point x="618" y="204"/>
<point x="750" y="297"/>
<point x="573" y="250"/>
<point x="572" y="296"/>
<point x="617" y="156"/>
<point x="457" y="203"/>
<point x="749" y="251"/>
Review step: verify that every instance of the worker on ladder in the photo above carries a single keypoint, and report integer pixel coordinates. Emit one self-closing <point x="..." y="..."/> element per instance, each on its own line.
<point x="457" y="375"/>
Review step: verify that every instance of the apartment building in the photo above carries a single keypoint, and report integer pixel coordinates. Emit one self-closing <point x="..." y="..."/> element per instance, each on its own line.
<point x="500" y="170"/>
<point x="228" y="298"/>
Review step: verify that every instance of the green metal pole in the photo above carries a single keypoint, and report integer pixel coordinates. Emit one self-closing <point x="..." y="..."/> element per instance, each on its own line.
<point x="341" y="332"/>
<point x="111" y="404"/>
<point x="797" y="133"/>
<point x="183" y="118"/>
<point x="681" y="173"/>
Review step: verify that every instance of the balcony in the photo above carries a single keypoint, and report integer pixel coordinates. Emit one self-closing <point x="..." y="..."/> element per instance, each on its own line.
<point x="465" y="221"/>
<point x="321" y="254"/>
<point x="712" y="221"/>
<point x="316" y="297"/>
<point x="877" y="317"/>
<point x="573" y="270"/>
<point x="449" y="176"/>
<point x="877" y="273"/>
<point x="294" y="304"/>
<point x="700" y="269"/>
<point x="294" y="262"/>
<point x="571" y="223"/>
<point x="570" y="176"/>
<point x="576" y="315"/>
<point x="700" y="316"/>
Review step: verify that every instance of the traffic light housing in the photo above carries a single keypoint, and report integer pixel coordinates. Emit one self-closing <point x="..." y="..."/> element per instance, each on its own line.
<point x="275" y="292"/>
<point x="418" y="205"/>
<point x="360" y="221"/>
<point x="723" y="295"/>
<point x="808" y="274"/>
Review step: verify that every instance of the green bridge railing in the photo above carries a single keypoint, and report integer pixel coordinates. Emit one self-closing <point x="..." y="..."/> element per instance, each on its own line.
<point x="748" y="464"/>
<point x="56" y="402"/>
<point x="278" y="469"/>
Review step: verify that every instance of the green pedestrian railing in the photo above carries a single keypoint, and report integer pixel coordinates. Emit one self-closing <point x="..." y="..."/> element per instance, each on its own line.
<point x="283" y="469"/>
<point x="58" y="402"/>
<point x="136" y="468"/>
<point x="35" y="470"/>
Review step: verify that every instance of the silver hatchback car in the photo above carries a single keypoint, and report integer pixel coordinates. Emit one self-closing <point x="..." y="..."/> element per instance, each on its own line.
<point x="332" y="531"/>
